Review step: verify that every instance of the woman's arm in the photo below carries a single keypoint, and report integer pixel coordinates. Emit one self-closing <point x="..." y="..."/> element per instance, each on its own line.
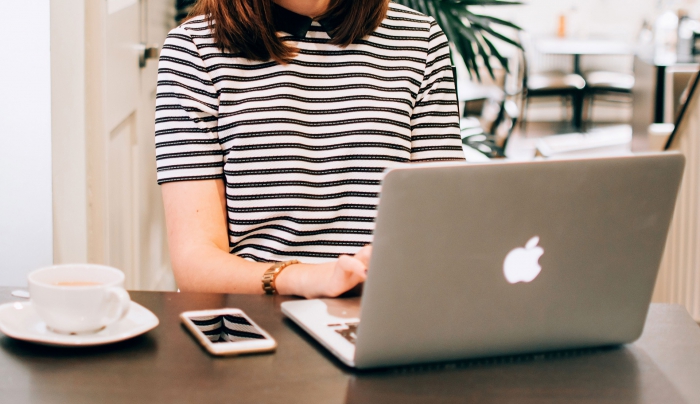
<point x="435" y="119"/>
<point x="195" y="213"/>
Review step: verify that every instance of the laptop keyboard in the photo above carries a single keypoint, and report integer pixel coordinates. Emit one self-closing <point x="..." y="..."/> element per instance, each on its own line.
<point x="346" y="330"/>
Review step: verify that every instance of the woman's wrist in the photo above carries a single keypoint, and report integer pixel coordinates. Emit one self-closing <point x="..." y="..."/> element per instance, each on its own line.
<point x="289" y="281"/>
<point x="297" y="280"/>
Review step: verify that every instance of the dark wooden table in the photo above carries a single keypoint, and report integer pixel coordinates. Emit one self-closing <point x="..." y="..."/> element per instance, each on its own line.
<point x="168" y="366"/>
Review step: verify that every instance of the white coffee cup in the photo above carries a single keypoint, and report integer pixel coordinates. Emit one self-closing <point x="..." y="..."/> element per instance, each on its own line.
<point x="78" y="298"/>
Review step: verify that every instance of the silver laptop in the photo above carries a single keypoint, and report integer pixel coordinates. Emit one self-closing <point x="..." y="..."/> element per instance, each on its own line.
<point x="504" y="258"/>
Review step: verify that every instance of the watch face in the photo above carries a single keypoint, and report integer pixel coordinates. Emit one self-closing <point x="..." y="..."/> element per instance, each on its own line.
<point x="269" y="277"/>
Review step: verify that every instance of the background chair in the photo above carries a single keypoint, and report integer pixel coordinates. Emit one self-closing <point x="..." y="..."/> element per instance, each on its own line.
<point x="489" y="134"/>
<point x="492" y="142"/>
<point x="569" y="87"/>
<point x="607" y="86"/>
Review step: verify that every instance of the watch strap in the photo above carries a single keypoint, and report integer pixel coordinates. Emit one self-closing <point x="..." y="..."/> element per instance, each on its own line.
<point x="269" y="277"/>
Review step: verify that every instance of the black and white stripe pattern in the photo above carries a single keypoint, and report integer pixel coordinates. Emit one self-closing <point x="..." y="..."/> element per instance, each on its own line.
<point x="301" y="147"/>
<point x="227" y="328"/>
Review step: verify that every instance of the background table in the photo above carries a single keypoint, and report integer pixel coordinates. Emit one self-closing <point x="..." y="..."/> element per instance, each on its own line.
<point x="580" y="47"/>
<point x="168" y="366"/>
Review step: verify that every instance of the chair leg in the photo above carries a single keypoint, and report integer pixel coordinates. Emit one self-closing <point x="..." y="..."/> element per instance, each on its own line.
<point x="585" y="110"/>
<point x="577" y="99"/>
<point x="589" y="112"/>
<point x="523" y="117"/>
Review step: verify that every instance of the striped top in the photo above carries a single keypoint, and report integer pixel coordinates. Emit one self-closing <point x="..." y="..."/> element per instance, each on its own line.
<point x="301" y="147"/>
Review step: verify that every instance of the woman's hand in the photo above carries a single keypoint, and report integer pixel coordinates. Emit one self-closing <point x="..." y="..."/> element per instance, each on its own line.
<point x="348" y="272"/>
<point x="325" y="280"/>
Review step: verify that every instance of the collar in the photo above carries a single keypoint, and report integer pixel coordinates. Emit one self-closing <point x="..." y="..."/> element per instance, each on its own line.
<point x="297" y="24"/>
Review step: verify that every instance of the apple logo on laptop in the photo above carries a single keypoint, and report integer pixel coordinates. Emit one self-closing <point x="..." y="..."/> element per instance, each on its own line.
<point x="521" y="264"/>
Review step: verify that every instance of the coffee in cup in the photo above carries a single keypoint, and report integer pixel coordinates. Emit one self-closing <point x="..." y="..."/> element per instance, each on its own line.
<point x="76" y="283"/>
<point x="78" y="298"/>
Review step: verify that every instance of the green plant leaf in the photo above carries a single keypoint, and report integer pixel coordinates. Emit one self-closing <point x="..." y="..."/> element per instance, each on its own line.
<point x="473" y="42"/>
<point x="499" y="21"/>
<point x="469" y="32"/>
<point x="495" y="53"/>
<point x="496" y="34"/>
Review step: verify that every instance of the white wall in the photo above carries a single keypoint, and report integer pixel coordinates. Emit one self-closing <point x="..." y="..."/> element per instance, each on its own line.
<point x="602" y="18"/>
<point x="25" y="140"/>
<point x="68" y="70"/>
<point x="615" y="19"/>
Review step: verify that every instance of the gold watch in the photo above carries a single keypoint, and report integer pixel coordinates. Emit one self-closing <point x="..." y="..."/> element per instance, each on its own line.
<point x="268" y="279"/>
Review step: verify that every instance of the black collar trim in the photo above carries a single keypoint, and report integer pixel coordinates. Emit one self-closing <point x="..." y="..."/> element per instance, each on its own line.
<point x="296" y="24"/>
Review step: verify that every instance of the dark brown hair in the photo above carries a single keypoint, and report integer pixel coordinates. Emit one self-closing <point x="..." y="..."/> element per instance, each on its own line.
<point x="247" y="26"/>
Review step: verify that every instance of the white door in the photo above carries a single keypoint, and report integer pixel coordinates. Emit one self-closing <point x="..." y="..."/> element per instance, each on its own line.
<point x="153" y="262"/>
<point x="126" y="208"/>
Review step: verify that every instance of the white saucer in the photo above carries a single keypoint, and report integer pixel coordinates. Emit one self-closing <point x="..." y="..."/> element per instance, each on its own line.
<point x="19" y="320"/>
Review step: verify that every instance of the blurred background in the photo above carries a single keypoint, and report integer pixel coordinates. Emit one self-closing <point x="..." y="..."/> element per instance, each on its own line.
<point x="77" y="97"/>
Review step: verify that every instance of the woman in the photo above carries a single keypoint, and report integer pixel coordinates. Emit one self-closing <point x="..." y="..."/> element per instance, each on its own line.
<point x="274" y="123"/>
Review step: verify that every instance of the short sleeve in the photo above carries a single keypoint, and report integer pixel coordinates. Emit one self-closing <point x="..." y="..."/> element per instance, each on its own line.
<point x="187" y="103"/>
<point x="435" y="118"/>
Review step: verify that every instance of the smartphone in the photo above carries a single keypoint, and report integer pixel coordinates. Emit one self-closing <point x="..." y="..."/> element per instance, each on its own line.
<point x="227" y="332"/>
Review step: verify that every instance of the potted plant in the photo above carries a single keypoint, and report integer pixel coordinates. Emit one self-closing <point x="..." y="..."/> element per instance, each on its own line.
<point x="471" y="34"/>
